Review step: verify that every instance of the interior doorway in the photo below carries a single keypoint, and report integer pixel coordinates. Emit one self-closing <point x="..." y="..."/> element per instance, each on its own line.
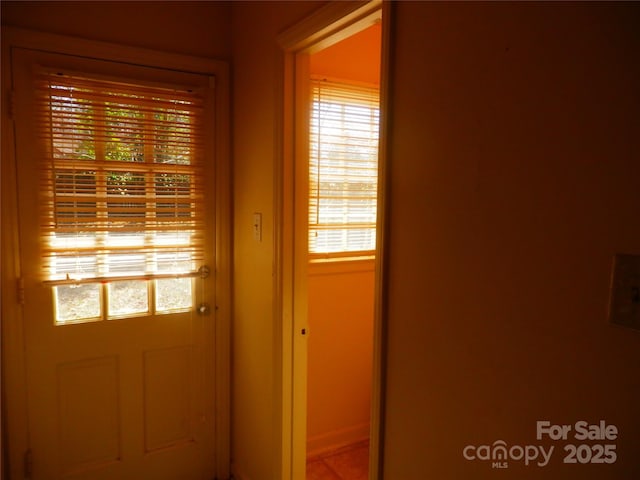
<point x="342" y="199"/>
<point x="330" y="298"/>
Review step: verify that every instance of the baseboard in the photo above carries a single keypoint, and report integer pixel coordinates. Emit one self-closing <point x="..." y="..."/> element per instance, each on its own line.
<point x="327" y="442"/>
<point x="237" y="473"/>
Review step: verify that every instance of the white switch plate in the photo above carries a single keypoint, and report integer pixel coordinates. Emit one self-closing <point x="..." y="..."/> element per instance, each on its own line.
<point x="624" y="306"/>
<point x="257" y="227"/>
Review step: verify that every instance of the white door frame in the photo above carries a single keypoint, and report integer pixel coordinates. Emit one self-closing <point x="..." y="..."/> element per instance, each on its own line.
<point x="14" y="422"/>
<point x="328" y="25"/>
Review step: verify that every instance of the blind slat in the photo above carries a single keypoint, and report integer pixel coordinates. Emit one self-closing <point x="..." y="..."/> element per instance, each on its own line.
<point x="122" y="177"/>
<point x="343" y="164"/>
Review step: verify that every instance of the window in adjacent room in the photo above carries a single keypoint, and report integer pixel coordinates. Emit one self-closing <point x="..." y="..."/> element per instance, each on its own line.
<point x="343" y="165"/>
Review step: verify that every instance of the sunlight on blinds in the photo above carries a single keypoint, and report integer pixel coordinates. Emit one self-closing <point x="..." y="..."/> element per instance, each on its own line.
<point x="122" y="195"/>
<point x="343" y="168"/>
<point x="122" y="177"/>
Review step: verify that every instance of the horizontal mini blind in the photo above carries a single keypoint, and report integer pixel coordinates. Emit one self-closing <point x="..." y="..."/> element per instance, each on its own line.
<point x="343" y="167"/>
<point x="122" y="177"/>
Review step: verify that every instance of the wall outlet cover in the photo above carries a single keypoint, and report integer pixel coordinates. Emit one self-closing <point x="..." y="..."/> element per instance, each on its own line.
<point x="624" y="304"/>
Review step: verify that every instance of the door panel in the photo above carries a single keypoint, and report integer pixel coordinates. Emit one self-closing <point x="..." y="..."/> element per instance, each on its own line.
<point x="167" y="397"/>
<point x="116" y="397"/>
<point x="89" y="414"/>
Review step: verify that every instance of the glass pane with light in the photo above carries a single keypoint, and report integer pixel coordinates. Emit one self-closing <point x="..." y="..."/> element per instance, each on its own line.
<point x="77" y="303"/>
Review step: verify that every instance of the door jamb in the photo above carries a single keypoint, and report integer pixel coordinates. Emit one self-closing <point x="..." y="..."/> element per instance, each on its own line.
<point x="328" y="25"/>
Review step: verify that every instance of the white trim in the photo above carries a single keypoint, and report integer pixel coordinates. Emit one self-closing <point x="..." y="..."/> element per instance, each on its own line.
<point x="283" y="276"/>
<point x="378" y="382"/>
<point x="330" y="24"/>
<point x="322" y="444"/>
<point x="80" y="47"/>
<point x="14" y="387"/>
<point x="12" y="333"/>
<point x="238" y="474"/>
<point x="224" y="256"/>
<point x="300" y="266"/>
<point x="342" y="266"/>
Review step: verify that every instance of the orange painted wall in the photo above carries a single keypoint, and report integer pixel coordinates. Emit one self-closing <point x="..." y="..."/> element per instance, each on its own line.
<point x="354" y="58"/>
<point x="340" y="296"/>
<point x="513" y="180"/>
<point x="340" y="354"/>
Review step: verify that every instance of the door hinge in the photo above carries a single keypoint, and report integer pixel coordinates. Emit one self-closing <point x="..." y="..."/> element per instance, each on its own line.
<point x="28" y="463"/>
<point x="20" y="291"/>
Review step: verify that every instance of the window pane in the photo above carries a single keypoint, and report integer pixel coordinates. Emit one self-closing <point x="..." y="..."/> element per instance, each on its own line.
<point x="343" y="168"/>
<point x="75" y="206"/>
<point x="128" y="298"/>
<point x="71" y="124"/>
<point x="75" y="303"/>
<point x="173" y="137"/>
<point x="173" y="193"/>
<point x="126" y="208"/>
<point x="124" y="132"/>
<point x="173" y="294"/>
<point x="124" y="193"/>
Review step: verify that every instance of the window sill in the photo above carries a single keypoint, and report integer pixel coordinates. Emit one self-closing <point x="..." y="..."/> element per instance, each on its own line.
<point x="338" y="265"/>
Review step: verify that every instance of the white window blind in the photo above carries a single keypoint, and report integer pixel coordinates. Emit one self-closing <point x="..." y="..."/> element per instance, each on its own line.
<point x="343" y="167"/>
<point x="122" y="177"/>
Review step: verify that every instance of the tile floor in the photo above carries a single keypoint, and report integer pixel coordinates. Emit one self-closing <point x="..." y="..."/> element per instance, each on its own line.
<point x="347" y="463"/>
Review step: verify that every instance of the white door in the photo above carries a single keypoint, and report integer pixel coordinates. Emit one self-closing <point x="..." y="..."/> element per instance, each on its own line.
<point x="119" y="357"/>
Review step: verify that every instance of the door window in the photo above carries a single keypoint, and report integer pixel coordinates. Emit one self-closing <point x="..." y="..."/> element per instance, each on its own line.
<point x="122" y="217"/>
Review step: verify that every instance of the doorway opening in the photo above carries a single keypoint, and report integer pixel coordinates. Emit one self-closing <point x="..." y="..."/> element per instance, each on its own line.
<point x="342" y="201"/>
<point x="330" y="241"/>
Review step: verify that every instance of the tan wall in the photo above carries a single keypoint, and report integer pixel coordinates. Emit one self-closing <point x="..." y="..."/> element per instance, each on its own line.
<point x="193" y="28"/>
<point x="514" y="179"/>
<point x="256" y="72"/>
<point x="340" y="296"/>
